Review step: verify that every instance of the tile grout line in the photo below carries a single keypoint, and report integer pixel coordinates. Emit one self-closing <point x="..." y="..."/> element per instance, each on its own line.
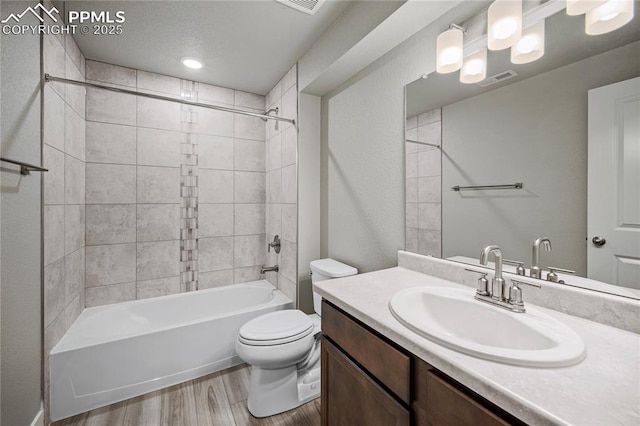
<point x="84" y="277"/>
<point x="136" y="186"/>
<point x="233" y="187"/>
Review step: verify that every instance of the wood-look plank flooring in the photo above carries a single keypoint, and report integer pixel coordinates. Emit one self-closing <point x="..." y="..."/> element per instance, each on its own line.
<point x="219" y="399"/>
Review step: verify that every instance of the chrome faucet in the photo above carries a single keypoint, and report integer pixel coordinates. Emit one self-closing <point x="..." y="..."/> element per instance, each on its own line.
<point x="265" y="268"/>
<point x="509" y="298"/>
<point x="497" y="283"/>
<point x="536" y="271"/>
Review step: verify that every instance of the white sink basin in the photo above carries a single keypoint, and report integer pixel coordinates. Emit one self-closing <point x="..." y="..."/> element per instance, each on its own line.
<point x="453" y="318"/>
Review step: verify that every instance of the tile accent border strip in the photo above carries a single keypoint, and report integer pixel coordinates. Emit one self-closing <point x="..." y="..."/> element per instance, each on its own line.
<point x="189" y="190"/>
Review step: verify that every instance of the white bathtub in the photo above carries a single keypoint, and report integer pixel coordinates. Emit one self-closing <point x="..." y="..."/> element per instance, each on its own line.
<point x="115" y="352"/>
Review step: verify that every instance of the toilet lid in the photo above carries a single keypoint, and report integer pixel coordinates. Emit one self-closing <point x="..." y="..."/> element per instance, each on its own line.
<point x="276" y="328"/>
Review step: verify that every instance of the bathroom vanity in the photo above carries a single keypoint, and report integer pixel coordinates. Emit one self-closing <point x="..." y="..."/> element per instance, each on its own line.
<point x="376" y="371"/>
<point x="369" y="378"/>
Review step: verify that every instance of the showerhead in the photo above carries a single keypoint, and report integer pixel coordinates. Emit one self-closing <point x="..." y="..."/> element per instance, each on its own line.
<point x="276" y="110"/>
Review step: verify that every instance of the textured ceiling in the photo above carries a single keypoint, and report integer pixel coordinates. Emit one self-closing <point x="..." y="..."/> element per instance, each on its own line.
<point x="244" y="44"/>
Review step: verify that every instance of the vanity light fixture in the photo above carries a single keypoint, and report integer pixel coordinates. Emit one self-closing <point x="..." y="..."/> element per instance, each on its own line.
<point x="474" y="68"/>
<point x="578" y="7"/>
<point x="504" y="24"/>
<point x="608" y="17"/>
<point x="192" y="63"/>
<point x="531" y="46"/>
<point x="449" y="51"/>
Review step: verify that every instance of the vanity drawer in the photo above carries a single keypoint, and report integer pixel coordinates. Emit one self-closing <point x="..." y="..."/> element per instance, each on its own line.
<point x="440" y="402"/>
<point x="383" y="361"/>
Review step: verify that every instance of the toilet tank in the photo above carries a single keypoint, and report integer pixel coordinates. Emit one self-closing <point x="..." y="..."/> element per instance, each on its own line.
<point x="326" y="269"/>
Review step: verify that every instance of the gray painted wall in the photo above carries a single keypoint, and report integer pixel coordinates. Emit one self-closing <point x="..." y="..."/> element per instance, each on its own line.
<point x="0" y="242"/>
<point x="308" y="194"/>
<point x="533" y="131"/>
<point x="362" y="154"/>
<point x="20" y="230"/>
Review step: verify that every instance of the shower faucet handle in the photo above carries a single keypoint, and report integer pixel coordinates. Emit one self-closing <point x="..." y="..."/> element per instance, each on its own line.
<point x="275" y="244"/>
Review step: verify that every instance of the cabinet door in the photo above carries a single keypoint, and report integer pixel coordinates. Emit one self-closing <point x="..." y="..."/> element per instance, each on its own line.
<point x="446" y="405"/>
<point x="350" y="397"/>
<point x="368" y="350"/>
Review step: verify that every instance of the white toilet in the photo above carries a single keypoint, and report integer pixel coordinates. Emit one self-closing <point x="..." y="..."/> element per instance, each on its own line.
<point x="283" y="348"/>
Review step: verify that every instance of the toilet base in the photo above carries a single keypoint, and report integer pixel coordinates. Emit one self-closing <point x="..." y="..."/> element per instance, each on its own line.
<point x="276" y="391"/>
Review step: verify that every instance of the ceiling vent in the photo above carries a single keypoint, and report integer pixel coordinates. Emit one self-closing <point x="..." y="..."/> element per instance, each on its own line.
<point x="498" y="78"/>
<point x="307" y="6"/>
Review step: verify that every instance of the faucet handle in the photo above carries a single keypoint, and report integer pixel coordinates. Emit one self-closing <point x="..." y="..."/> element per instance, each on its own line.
<point x="564" y="271"/>
<point x="516" y="282"/>
<point x="519" y="265"/>
<point x="479" y="272"/>
<point x="483" y="284"/>
<point x="515" y="294"/>
<point x="553" y="277"/>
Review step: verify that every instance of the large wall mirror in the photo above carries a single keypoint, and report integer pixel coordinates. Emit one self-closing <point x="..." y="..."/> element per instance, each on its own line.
<point x="566" y="127"/>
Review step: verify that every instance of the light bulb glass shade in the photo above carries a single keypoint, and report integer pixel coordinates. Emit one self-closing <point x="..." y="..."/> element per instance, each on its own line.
<point x="504" y="24"/>
<point x="449" y="51"/>
<point x="608" y="17"/>
<point x="474" y="68"/>
<point x="531" y="46"/>
<point x="578" y="7"/>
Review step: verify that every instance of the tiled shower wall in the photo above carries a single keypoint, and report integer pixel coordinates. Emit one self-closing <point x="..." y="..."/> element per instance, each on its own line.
<point x="139" y="150"/>
<point x="64" y="192"/>
<point x="282" y="184"/>
<point x="423" y="184"/>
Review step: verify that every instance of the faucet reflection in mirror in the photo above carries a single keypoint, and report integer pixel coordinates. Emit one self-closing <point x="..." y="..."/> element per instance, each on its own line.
<point x="536" y="272"/>
<point x="524" y="34"/>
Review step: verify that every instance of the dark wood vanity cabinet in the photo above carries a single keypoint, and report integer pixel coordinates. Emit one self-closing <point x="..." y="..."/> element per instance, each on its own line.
<point x="368" y="380"/>
<point x="351" y="397"/>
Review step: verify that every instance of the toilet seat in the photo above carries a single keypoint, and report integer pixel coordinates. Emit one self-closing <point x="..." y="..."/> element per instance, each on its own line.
<point x="276" y="328"/>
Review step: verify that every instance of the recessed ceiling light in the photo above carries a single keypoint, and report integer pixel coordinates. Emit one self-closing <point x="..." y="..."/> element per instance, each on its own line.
<point x="192" y="63"/>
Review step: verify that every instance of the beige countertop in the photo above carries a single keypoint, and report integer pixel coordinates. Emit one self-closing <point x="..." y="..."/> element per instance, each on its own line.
<point x="604" y="389"/>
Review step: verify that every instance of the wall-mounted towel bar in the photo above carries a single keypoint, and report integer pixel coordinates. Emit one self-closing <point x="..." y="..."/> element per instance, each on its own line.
<point x="25" y="168"/>
<point x="423" y="143"/>
<point x="517" y="185"/>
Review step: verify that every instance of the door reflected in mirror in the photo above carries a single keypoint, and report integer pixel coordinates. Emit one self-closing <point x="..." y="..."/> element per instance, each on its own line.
<point x="566" y="128"/>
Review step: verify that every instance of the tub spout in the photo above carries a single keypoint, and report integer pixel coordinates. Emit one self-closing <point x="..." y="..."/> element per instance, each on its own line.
<point x="273" y="268"/>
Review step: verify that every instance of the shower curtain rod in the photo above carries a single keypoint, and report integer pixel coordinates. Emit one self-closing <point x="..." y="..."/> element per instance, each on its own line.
<point x="49" y="78"/>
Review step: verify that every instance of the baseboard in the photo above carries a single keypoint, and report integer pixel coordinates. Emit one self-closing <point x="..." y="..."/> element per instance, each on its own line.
<point x="39" y="418"/>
